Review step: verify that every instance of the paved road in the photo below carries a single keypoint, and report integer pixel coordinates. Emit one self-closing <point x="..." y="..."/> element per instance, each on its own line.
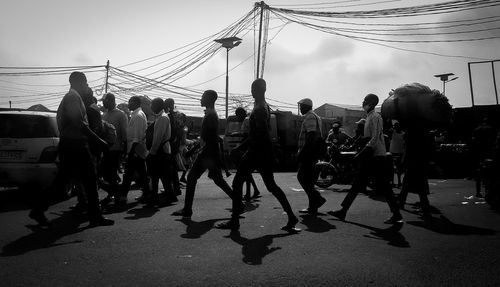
<point x="148" y="247"/>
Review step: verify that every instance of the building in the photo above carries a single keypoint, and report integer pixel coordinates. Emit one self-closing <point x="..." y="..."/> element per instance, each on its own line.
<point x="347" y="115"/>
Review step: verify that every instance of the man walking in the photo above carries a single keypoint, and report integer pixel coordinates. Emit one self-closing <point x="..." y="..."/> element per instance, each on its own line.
<point x="208" y="158"/>
<point x="372" y="161"/>
<point x="160" y="154"/>
<point x="307" y="155"/>
<point x="258" y="156"/>
<point x="112" y="158"/>
<point x="136" y="151"/>
<point x="74" y="153"/>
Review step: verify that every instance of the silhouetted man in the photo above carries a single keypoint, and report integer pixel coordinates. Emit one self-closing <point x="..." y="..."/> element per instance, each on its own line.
<point x="307" y="156"/>
<point x="175" y="143"/>
<point x="208" y="158"/>
<point x="372" y="161"/>
<point x="74" y="153"/>
<point x="259" y="156"/>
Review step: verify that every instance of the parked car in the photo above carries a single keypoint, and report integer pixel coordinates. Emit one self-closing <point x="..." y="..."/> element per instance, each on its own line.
<point x="28" y="148"/>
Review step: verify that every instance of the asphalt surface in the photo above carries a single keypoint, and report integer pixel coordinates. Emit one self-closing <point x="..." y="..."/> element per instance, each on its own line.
<point x="149" y="247"/>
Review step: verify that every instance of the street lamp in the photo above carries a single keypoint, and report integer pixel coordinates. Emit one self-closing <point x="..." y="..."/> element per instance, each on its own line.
<point x="444" y="78"/>
<point x="228" y="43"/>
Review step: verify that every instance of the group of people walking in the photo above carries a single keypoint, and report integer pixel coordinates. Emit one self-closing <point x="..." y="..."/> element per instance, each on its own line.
<point x="152" y="152"/>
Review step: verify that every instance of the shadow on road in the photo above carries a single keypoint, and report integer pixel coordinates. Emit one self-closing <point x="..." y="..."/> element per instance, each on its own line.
<point x="391" y="234"/>
<point x="254" y="250"/>
<point x="444" y="226"/>
<point x="316" y="224"/>
<point x="196" y="229"/>
<point x="66" y="224"/>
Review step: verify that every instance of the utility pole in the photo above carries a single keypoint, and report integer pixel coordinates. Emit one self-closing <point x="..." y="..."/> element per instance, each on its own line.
<point x="262" y="5"/>
<point x="107" y="75"/>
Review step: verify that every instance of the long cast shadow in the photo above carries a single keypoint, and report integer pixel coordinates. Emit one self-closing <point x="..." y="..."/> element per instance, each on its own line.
<point x="316" y="224"/>
<point x="254" y="250"/>
<point x="196" y="229"/>
<point x="445" y="226"/>
<point x="66" y="224"/>
<point x="391" y="234"/>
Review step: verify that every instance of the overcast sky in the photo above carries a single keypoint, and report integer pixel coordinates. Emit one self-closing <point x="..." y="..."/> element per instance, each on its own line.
<point x="300" y="62"/>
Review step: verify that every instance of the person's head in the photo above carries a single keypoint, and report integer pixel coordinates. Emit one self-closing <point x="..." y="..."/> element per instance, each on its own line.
<point x="370" y="101"/>
<point x="108" y="101"/>
<point x="305" y="105"/>
<point x="78" y="81"/>
<point x="87" y="97"/>
<point x="134" y="102"/>
<point x="169" y="105"/>
<point x="335" y="127"/>
<point x="208" y="98"/>
<point x="259" y="89"/>
<point x="240" y="113"/>
<point x="157" y="105"/>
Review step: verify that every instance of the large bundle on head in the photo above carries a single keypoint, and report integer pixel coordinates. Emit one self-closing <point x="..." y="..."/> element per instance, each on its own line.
<point x="417" y="104"/>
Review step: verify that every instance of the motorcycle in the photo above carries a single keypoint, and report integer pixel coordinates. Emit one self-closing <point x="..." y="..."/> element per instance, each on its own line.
<point x="339" y="169"/>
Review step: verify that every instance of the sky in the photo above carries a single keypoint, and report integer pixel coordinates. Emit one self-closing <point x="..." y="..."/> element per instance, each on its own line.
<point x="299" y="62"/>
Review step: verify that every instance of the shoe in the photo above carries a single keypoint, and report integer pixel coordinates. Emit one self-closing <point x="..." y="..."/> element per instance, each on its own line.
<point x="39" y="217"/>
<point x="247" y="197"/>
<point x="340" y="214"/>
<point x="310" y="211"/>
<point x="290" y="226"/>
<point x="182" y="213"/>
<point x="178" y="192"/>
<point x="231" y="225"/>
<point x="395" y="219"/>
<point x="101" y="221"/>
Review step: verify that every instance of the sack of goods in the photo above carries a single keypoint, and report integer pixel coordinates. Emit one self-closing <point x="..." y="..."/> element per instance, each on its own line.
<point x="419" y="104"/>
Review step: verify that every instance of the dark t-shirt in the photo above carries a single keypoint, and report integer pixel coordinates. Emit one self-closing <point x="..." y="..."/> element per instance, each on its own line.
<point x="259" y="135"/>
<point x="209" y="132"/>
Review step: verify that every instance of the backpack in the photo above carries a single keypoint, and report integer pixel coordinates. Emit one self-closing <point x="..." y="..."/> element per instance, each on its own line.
<point x="321" y="147"/>
<point x="108" y="133"/>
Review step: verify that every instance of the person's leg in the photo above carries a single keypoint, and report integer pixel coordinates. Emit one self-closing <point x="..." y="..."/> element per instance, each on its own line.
<point x="305" y="175"/>
<point x="88" y="178"/>
<point x="174" y="171"/>
<point x="143" y="174"/>
<point x="166" y="176"/>
<point x="256" y="192"/>
<point x="359" y="184"/>
<point x="194" y="174"/>
<point x="127" y="176"/>
<point x="245" y="168"/>
<point x="270" y="183"/>
<point x="382" y="173"/>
